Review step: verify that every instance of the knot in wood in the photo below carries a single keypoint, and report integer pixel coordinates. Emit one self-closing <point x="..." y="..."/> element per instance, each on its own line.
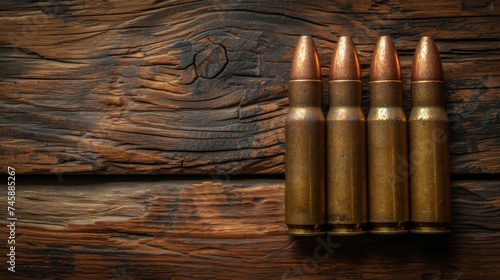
<point x="210" y="61"/>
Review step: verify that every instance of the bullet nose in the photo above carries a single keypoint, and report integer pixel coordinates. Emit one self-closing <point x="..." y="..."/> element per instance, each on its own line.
<point x="426" y="62"/>
<point x="385" y="61"/>
<point x="305" y="61"/>
<point x="345" y="62"/>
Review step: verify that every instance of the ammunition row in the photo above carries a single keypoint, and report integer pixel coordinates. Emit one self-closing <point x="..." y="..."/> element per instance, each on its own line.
<point x="346" y="171"/>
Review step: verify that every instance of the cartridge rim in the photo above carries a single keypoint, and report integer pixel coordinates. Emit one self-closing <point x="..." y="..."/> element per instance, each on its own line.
<point x="430" y="231"/>
<point x="431" y="228"/>
<point x="389" y="228"/>
<point x="388" y="231"/>
<point x="304" y="230"/>
<point x="346" y="232"/>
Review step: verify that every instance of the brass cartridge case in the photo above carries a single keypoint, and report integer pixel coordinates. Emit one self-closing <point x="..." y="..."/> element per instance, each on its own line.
<point x="388" y="201"/>
<point x="346" y="144"/>
<point x="305" y="144"/>
<point x="429" y="144"/>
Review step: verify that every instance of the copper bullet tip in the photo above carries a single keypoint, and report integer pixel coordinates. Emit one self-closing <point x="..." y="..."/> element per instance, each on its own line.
<point x="305" y="61"/>
<point x="385" y="61"/>
<point x="426" y="62"/>
<point x="345" y="62"/>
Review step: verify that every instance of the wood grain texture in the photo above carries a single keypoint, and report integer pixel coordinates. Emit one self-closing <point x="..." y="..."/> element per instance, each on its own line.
<point x="184" y="229"/>
<point x="200" y="87"/>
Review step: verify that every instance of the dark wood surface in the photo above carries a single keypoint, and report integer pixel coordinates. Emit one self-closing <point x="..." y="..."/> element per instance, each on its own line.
<point x="157" y="228"/>
<point x="200" y="87"/>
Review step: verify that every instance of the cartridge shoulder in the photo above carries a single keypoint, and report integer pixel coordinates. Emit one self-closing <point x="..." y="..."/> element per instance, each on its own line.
<point x="387" y="114"/>
<point x="346" y="113"/>
<point x="305" y="114"/>
<point x="433" y="113"/>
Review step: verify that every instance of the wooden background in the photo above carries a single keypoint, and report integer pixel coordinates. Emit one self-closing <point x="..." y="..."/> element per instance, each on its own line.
<point x="112" y="88"/>
<point x="175" y="87"/>
<point x="161" y="228"/>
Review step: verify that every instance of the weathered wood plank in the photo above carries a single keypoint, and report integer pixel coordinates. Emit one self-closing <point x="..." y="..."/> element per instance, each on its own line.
<point x="200" y="87"/>
<point x="124" y="228"/>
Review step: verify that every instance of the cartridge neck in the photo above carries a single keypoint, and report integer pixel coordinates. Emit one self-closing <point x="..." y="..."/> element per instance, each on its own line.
<point x="427" y="94"/>
<point x="386" y="94"/>
<point x="304" y="93"/>
<point x="345" y="93"/>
